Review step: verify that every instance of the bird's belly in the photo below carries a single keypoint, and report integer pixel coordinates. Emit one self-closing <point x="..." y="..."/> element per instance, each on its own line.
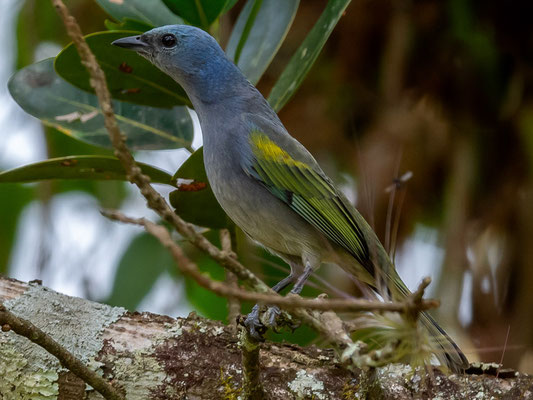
<point x="262" y="216"/>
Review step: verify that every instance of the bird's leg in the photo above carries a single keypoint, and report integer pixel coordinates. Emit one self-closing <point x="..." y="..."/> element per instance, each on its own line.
<point x="252" y="321"/>
<point x="274" y="311"/>
<point x="302" y="279"/>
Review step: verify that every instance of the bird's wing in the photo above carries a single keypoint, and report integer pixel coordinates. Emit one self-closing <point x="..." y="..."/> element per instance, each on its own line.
<point x="306" y="190"/>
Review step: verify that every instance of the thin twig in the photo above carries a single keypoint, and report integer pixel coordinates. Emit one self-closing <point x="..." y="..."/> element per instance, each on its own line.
<point x="10" y="321"/>
<point x="188" y="267"/>
<point x="504" y="348"/>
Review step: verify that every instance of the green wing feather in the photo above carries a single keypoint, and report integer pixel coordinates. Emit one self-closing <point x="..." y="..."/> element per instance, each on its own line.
<point x="309" y="193"/>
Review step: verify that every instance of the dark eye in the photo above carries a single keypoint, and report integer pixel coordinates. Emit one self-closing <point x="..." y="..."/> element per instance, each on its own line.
<point x="168" y="40"/>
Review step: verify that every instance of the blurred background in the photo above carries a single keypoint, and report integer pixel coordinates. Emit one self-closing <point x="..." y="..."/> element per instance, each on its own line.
<point x="438" y="88"/>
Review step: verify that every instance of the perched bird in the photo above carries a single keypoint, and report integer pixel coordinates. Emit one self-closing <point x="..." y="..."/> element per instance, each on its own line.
<point x="267" y="182"/>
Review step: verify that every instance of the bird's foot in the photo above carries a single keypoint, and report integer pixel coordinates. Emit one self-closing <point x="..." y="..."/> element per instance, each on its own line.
<point x="271" y="317"/>
<point x="253" y="324"/>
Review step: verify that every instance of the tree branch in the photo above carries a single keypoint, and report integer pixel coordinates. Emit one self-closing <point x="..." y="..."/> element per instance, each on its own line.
<point x="10" y="321"/>
<point x="158" y="357"/>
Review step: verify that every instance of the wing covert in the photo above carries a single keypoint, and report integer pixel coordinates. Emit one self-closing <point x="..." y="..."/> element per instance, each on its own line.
<point x="308" y="192"/>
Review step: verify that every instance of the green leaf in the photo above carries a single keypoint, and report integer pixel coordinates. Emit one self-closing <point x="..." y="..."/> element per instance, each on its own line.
<point x="79" y="167"/>
<point x="14" y="198"/>
<point x="229" y="5"/>
<point x="201" y="13"/>
<point x="141" y="265"/>
<point x="127" y="24"/>
<point x="130" y="77"/>
<point x="258" y="34"/>
<point x="152" y="12"/>
<point x="205" y="301"/>
<point x="41" y="93"/>
<point x="194" y="201"/>
<point x="307" y="53"/>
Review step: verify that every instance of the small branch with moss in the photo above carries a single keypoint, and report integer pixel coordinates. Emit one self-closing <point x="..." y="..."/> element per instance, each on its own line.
<point x="10" y="321"/>
<point x="252" y="387"/>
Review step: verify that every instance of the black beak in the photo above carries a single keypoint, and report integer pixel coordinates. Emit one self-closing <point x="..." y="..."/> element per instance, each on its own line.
<point x="131" y="42"/>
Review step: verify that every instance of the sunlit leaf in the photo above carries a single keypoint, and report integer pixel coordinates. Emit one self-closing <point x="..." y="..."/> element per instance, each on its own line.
<point x="194" y="201"/>
<point x="141" y="265"/>
<point x="79" y="167"/>
<point x="41" y="93"/>
<point x="127" y="24"/>
<point x="258" y="34"/>
<point x="201" y="13"/>
<point x="130" y="77"/>
<point x="152" y="12"/>
<point x="229" y="5"/>
<point x="307" y="53"/>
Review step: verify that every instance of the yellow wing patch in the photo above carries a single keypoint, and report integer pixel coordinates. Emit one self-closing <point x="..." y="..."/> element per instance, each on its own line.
<point x="270" y="151"/>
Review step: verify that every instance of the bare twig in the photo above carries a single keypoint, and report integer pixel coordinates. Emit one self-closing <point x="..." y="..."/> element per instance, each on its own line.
<point x="10" y="321"/>
<point x="272" y="298"/>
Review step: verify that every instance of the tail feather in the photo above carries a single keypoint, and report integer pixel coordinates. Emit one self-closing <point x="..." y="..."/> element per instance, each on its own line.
<point x="447" y="351"/>
<point x="450" y="355"/>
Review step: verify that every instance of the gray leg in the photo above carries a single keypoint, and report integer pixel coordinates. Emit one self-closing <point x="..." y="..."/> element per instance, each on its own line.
<point x="274" y="311"/>
<point x="278" y="287"/>
<point x="252" y="322"/>
<point x="302" y="279"/>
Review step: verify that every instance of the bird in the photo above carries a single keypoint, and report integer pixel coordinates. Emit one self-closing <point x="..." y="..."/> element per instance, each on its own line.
<point x="267" y="182"/>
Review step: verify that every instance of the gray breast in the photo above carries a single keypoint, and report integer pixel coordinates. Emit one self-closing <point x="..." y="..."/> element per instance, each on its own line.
<point x="254" y="209"/>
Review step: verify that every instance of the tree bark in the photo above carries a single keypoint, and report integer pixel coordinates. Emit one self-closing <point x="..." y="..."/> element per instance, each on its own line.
<point x="157" y="357"/>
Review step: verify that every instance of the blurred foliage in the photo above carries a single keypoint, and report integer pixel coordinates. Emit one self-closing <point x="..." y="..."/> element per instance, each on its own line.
<point x="194" y="193"/>
<point x="143" y="262"/>
<point x="439" y="88"/>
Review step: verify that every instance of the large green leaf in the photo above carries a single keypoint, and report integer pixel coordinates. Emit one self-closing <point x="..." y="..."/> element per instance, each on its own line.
<point x="141" y="265"/>
<point x="201" y="13"/>
<point x="41" y="93"/>
<point x="258" y="33"/>
<point x="127" y="24"/>
<point x="194" y="201"/>
<point x="79" y="167"/>
<point x="307" y="53"/>
<point x="130" y="77"/>
<point x="14" y="198"/>
<point x="205" y="301"/>
<point x="152" y="12"/>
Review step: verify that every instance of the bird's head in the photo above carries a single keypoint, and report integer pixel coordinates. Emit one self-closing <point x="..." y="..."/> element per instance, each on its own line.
<point x="184" y="52"/>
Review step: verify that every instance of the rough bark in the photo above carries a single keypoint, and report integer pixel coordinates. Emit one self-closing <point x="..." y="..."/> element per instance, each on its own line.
<point x="158" y="357"/>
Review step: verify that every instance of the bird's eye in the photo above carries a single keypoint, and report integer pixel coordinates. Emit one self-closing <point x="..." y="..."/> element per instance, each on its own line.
<point x="168" y="40"/>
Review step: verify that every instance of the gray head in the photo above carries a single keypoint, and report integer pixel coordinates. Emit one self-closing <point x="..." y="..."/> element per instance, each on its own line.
<point x="189" y="55"/>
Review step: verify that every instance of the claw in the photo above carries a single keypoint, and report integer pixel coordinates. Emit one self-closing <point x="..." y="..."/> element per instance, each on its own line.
<point x="255" y="327"/>
<point x="272" y="315"/>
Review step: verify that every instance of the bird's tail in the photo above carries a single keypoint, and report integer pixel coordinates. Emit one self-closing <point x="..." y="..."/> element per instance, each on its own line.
<point x="447" y="352"/>
<point x="445" y="349"/>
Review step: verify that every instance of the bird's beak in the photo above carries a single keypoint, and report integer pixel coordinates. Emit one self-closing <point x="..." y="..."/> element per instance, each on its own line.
<point x="132" y="43"/>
